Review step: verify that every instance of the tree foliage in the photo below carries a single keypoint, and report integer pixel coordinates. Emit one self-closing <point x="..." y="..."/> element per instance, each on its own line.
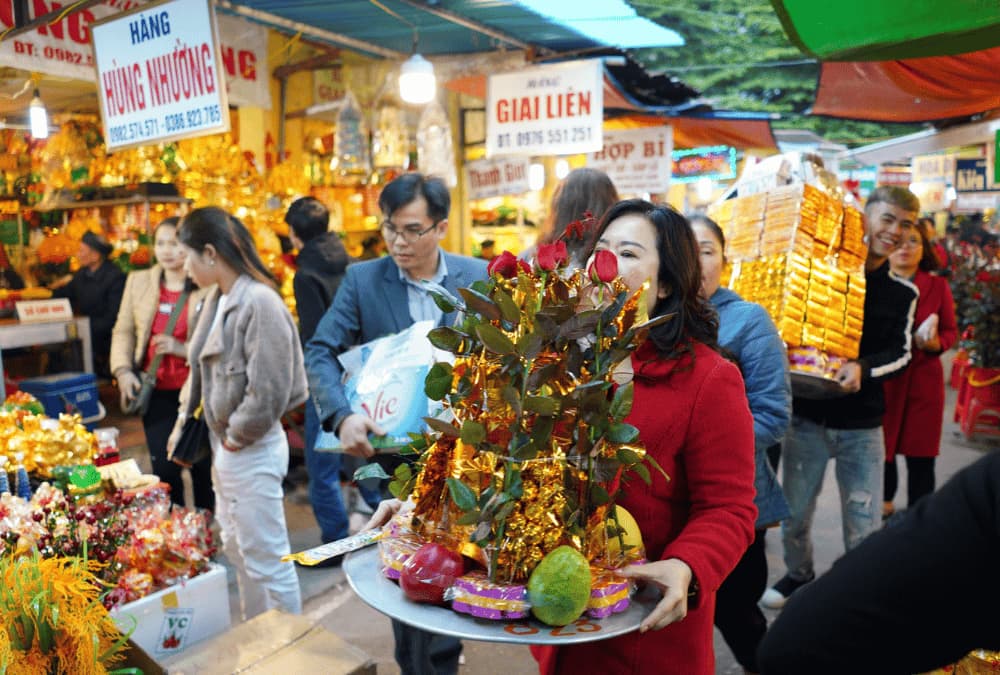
<point x="738" y="56"/>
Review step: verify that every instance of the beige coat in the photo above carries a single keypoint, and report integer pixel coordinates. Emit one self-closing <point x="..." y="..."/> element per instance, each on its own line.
<point x="247" y="369"/>
<point x="131" y="333"/>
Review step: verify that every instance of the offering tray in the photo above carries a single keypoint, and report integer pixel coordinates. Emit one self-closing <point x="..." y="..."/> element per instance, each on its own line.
<point x="813" y="386"/>
<point x="367" y="580"/>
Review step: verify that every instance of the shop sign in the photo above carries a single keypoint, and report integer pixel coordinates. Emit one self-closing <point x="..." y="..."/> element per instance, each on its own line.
<point x="496" y="177"/>
<point x="888" y="176"/>
<point x="43" y="311"/>
<point x="546" y="110"/>
<point x="933" y="195"/>
<point x="970" y="175"/>
<point x="976" y="202"/>
<point x="996" y="153"/>
<point x="636" y="160"/>
<point x="159" y="75"/>
<point x="717" y="162"/>
<point x="63" y="48"/>
<point x="932" y="168"/>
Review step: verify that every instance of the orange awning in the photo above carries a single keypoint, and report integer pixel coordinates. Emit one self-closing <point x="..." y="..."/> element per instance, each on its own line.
<point x="696" y="132"/>
<point x="911" y="90"/>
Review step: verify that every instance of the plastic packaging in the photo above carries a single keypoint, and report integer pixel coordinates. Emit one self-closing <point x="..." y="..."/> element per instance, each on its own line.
<point x="318" y="554"/>
<point x="474" y="594"/>
<point x="350" y="142"/>
<point x="435" y="154"/>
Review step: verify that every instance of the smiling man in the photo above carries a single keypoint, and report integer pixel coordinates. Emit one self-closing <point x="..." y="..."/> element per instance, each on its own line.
<point x="849" y="428"/>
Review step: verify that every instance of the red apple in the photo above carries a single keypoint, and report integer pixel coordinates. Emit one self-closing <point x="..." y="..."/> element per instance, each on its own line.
<point x="429" y="572"/>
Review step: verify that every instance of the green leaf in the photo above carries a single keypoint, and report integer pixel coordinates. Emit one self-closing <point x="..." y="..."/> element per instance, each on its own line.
<point x="402" y="472"/>
<point x="481" y="304"/>
<point x="504" y="511"/>
<point x="508" y="308"/>
<point x="481" y="533"/>
<point x="620" y="432"/>
<point x="580" y="325"/>
<point x="461" y="494"/>
<point x="370" y="471"/>
<point x="446" y="338"/>
<point x="469" y="518"/>
<point x="529" y="345"/>
<point x="656" y="465"/>
<point x="542" y="405"/>
<point x="401" y="490"/>
<point x="437" y="384"/>
<point x="541" y="431"/>
<point x="598" y="495"/>
<point x="614" y="308"/>
<point x="494" y="339"/>
<point x="473" y="433"/>
<point x="643" y="473"/>
<point x="443" y="298"/>
<point x="442" y="427"/>
<point x="513" y="484"/>
<point x="621" y="404"/>
<point x="628" y="457"/>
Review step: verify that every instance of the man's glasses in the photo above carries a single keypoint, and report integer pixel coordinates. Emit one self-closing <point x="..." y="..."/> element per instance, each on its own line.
<point x="409" y="233"/>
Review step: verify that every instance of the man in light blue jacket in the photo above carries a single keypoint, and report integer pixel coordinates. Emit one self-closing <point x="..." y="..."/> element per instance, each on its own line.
<point x="747" y="333"/>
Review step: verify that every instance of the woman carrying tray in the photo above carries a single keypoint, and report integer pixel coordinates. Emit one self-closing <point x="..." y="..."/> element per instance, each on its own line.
<point x="692" y="415"/>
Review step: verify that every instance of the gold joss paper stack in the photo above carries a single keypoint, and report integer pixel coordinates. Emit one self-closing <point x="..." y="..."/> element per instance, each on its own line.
<point x="803" y="261"/>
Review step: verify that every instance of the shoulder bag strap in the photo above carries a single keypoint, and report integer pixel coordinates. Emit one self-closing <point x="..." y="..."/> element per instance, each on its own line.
<point x="154" y="365"/>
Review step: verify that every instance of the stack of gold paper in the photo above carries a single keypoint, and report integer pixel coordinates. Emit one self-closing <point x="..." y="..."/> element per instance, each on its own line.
<point x="853" y="249"/>
<point x="743" y="238"/>
<point x="789" y="222"/>
<point x="722" y="214"/>
<point x="829" y="220"/>
<point x="781" y="285"/>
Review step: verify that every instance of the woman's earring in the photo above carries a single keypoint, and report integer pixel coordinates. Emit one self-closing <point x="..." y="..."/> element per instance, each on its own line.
<point x="211" y="261"/>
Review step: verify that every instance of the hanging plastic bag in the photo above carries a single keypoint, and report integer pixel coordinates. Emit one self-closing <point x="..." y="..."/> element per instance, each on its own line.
<point x="435" y="155"/>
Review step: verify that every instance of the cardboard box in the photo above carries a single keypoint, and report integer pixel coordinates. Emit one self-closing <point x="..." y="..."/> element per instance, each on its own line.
<point x="274" y="642"/>
<point x="169" y="621"/>
<point x="136" y="657"/>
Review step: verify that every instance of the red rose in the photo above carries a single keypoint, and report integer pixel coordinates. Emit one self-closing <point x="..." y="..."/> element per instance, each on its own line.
<point x="983" y="275"/>
<point x="574" y="230"/>
<point x="523" y="266"/>
<point x="604" y="268"/>
<point x="551" y="256"/>
<point x="504" y="264"/>
<point x="977" y="296"/>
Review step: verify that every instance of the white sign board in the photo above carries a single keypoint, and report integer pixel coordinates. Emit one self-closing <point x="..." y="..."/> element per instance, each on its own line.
<point x="636" y="160"/>
<point x="496" y="177"/>
<point x="63" y="48"/>
<point x="976" y="202"/>
<point x="159" y="74"/>
<point x="42" y="311"/>
<point x="546" y="110"/>
<point x="932" y="168"/>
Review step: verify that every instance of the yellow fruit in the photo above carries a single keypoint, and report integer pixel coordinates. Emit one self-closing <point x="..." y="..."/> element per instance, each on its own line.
<point x="630" y="535"/>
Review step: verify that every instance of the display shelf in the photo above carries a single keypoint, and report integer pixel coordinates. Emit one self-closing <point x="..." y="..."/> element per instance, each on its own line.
<point x="121" y="201"/>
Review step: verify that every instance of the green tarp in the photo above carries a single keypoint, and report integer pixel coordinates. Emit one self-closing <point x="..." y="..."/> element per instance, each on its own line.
<point x="879" y="30"/>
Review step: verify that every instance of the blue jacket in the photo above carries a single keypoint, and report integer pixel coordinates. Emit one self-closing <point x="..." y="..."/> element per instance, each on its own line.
<point x="746" y="330"/>
<point x="371" y="302"/>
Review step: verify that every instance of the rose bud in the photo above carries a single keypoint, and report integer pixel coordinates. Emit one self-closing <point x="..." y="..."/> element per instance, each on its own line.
<point x="604" y="267"/>
<point x="551" y="255"/>
<point x="504" y="265"/>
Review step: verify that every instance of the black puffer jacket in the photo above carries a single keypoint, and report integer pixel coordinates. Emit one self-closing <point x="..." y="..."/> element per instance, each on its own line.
<point x="321" y="265"/>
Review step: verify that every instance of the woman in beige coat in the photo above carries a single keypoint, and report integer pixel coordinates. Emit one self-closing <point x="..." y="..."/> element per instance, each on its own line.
<point x="139" y="335"/>
<point x="246" y="371"/>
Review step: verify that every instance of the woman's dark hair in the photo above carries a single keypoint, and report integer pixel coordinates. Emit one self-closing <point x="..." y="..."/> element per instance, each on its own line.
<point x="928" y="258"/>
<point x="174" y="222"/>
<point x="230" y="238"/>
<point x="408" y="187"/>
<point x="679" y="273"/>
<point x="713" y="226"/>
<point x="582" y="190"/>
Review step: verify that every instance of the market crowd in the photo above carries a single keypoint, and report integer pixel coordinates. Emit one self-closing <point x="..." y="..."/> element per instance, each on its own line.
<point x="205" y="335"/>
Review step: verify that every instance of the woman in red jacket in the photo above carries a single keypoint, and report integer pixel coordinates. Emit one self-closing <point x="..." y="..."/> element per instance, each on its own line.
<point x="691" y="410"/>
<point x="914" y="401"/>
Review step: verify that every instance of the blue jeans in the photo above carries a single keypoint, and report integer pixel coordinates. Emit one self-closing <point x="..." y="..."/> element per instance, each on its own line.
<point x="324" y="482"/>
<point x="860" y="461"/>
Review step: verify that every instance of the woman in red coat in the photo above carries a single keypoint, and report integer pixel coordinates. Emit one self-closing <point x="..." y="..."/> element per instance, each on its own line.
<point x="914" y="401"/>
<point x="691" y="411"/>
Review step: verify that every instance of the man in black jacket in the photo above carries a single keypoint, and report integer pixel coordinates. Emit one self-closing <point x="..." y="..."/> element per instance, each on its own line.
<point x="849" y="428"/>
<point x="321" y="262"/>
<point x="95" y="291"/>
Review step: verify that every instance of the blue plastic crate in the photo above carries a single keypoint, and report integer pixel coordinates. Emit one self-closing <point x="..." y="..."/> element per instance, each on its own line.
<point x="67" y="392"/>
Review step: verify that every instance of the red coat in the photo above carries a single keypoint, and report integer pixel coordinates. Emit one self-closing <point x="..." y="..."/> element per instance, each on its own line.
<point x="914" y="401"/>
<point x="696" y="423"/>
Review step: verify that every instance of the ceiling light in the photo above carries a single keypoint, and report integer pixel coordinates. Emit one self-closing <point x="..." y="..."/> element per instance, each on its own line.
<point x="39" y="117"/>
<point x="417" y="83"/>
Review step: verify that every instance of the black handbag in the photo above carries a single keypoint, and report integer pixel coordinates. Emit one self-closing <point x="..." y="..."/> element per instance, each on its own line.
<point x="140" y="404"/>
<point x="193" y="445"/>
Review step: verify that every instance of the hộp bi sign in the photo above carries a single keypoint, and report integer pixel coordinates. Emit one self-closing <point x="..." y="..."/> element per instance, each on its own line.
<point x="159" y="74"/>
<point x="970" y="175"/>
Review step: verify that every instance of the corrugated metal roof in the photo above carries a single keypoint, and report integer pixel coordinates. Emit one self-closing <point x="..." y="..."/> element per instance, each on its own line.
<point x="549" y="25"/>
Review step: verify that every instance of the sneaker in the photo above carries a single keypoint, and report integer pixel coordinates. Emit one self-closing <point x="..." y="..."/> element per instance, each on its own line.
<point x="776" y="596"/>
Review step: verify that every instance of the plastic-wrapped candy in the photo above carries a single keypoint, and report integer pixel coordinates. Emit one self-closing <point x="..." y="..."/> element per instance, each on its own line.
<point x="395" y="550"/>
<point x="476" y="595"/>
<point x="435" y="155"/>
<point x="350" y="141"/>
<point x="609" y="594"/>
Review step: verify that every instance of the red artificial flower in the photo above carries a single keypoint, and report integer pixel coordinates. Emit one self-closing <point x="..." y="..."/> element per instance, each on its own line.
<point x="551" y="255"/>
<point x="523" y="266"/>
<point x="983" y="275"/>
<point x="604" y="267"/>
<point x="574" y="230"/>
<point x="504" y="265"/>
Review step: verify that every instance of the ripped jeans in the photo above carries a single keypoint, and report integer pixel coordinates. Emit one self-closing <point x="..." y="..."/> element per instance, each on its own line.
<point x="859" y="455"/>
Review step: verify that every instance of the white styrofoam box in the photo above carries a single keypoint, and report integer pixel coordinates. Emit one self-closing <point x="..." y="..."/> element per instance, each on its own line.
<point x="170" y="620"/>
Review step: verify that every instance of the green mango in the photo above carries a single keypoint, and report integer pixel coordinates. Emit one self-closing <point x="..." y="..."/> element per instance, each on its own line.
<point x="559" y="587"/>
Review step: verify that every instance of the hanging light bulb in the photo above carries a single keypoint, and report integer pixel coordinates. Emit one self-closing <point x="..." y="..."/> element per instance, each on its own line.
<point x="39" y="117"/>
<point x="417" y="83"/>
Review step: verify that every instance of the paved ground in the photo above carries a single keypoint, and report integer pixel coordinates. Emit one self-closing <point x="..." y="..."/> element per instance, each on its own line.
<point x="330" y="602"/>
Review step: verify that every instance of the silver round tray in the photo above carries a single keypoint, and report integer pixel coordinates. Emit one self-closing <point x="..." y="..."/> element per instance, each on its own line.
<point x="809" y="385"/>
<point x="367" y="580"/>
